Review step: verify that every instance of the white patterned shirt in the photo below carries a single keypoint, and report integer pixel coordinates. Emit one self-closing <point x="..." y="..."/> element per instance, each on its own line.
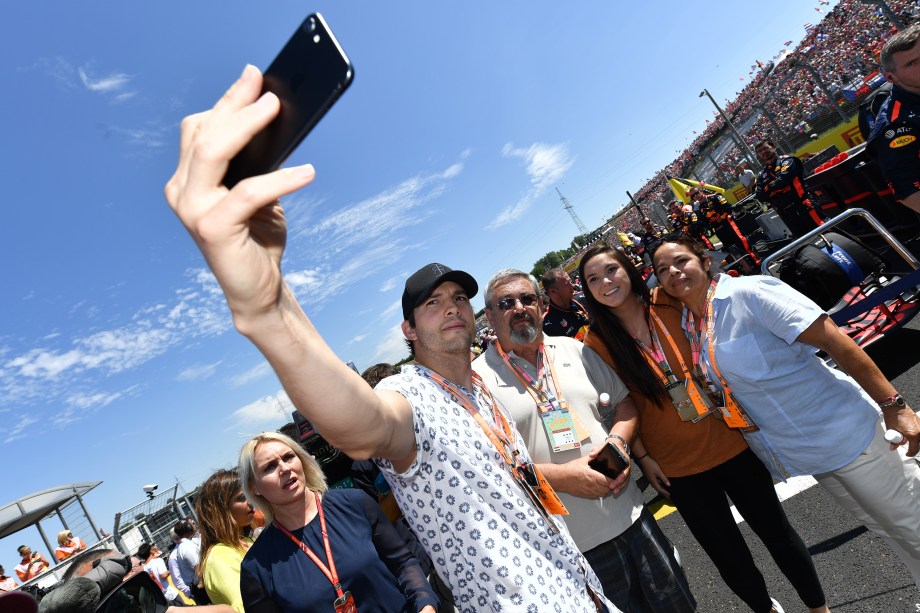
<point x="488" y="542"/>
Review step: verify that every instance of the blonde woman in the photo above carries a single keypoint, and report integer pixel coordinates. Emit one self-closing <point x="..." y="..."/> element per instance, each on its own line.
<point x="68" y="545"/>
<point x="321" y="548"/>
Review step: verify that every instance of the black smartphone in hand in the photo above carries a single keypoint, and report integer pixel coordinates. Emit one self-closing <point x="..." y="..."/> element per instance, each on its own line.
<point x="310" y="73"/>
<point x="610" y="461"/>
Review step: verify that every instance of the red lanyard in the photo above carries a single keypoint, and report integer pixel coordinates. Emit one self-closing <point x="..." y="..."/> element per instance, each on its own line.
<point x="330" y="572"/>
<point x="539" y="389"/>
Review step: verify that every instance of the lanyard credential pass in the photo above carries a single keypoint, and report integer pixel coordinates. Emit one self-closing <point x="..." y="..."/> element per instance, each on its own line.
<point x="499" y="432"/>
<point x="563" y="429"/>
<point x="345" y="602"/>
<point x="732" y="412"/>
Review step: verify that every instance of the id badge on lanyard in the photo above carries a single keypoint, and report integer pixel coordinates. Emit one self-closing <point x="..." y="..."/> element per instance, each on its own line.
<point x="345" y="603"/>
<point x="734" y="415"/>
<point x="559" y="425"/>
<point x="697" y="404"/>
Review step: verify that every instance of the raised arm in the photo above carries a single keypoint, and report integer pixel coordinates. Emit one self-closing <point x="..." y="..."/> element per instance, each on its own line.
<point x="241" y="233"/>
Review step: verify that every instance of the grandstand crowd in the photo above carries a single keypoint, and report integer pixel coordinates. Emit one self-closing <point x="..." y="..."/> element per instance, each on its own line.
<point x="843" y="47"/>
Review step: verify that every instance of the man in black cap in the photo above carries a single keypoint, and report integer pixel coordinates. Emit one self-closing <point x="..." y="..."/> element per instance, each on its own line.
<point x="456" y="466"/>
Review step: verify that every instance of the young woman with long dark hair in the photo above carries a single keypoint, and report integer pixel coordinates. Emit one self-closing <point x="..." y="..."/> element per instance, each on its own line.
<point x="684" y="449"/>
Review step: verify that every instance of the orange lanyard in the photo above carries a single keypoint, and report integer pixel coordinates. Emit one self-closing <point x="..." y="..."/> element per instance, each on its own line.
<point x="539" y="389"/>
<point x="501" y="439"/>
<point x="329" y="571"/>
<point x="662" y="367"/>
<point x="735" y="416"/>
<point x="528" y="476"/>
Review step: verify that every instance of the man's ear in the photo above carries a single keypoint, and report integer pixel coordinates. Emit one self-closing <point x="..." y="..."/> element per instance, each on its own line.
<point x="408" y="331"/>
<point x="890" y="76"/>
<point x="489" y="317"/>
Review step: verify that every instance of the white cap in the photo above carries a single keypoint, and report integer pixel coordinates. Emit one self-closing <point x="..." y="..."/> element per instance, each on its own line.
<point x="894" y="437"/>
<point x="604" y="399"/>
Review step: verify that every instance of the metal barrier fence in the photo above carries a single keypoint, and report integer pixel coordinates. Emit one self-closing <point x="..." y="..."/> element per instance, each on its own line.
<point x="150" y="521"/>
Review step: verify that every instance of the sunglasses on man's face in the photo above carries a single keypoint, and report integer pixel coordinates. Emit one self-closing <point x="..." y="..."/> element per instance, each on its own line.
<point x="506" y="304"/>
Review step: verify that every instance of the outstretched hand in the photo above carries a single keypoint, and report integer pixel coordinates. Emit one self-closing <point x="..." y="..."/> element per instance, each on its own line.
<point x="241" y="232"/>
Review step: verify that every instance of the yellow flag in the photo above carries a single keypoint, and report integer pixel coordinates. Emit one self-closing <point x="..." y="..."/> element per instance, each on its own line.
<point x="707" y="186"/>
<point x="679" y="189"/>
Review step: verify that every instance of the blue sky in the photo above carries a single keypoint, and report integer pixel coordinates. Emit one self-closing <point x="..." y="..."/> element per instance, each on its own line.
<point x="118" y="361"/>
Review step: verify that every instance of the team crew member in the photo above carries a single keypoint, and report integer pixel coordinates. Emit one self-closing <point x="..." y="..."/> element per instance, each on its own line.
<point x="452" y="457"/>
<point x="550" y="385"/>
<point x="566" y="315"/>
<point x="651" y="235"/>
<point x="718" y="212"/>
<point x="780" y="185"/>
<point x="684" y="220"/>
<point x="893" y="140"/>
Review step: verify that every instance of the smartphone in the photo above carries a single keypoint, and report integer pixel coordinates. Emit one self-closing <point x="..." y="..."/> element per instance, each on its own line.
<point x="610" y="462"/>
<point x="308" y="76"/>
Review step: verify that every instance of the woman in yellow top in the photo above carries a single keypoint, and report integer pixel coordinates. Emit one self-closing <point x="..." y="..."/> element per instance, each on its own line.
<point x="224" y="520"/>
<point x="68" y="545"/>
<point x="688" y="454"/>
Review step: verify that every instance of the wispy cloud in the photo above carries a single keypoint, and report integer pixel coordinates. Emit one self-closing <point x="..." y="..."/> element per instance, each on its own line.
<point x="97" y="400"/>
<point x="80" y="405"/>
<point x="17" y="430"/>
<point x="268" y="412"/>
<point x="392" y="347"/>
<point x="152" y="136"/>
<point x="327" y="255"/>
<point x="198" y="372"/>
<point x="392" y="282"/>
<point x="113" y="83"/>
<point x="48" y="372"/>
<point x="545" y="165"/>
<point x="253" y="374"/>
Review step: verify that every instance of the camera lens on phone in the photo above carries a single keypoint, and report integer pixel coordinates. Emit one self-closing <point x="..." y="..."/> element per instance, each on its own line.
<point x="309" y="25"/>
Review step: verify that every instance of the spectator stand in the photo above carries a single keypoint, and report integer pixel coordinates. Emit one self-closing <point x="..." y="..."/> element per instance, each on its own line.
<point x="64" y="504"/>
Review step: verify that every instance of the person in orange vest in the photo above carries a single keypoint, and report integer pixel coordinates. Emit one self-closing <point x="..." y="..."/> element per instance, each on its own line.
<point x="68" y="545"/>
<point x="7" y="584"/>
<point x="31" y="565"/>
<point x="780" y="185"/>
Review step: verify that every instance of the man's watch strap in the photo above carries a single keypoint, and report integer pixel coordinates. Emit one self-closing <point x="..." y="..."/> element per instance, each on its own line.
<point x="621" y="439"/>
<point x="895" y="400"/>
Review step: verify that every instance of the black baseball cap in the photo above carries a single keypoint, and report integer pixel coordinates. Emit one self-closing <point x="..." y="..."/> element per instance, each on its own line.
<point x="424" y="281"/>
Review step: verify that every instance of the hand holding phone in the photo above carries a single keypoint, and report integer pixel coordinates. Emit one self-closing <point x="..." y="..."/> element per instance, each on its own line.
<point x="610" y="461"/>
<point x="309" y="74"/>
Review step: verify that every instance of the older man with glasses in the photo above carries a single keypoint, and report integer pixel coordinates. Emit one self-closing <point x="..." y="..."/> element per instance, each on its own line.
<point x="551" y="385"/>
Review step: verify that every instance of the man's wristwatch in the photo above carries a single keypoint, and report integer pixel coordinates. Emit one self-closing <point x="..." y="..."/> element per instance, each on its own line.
<point x="895" y="400"/>
<point x="621" y="439"/>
